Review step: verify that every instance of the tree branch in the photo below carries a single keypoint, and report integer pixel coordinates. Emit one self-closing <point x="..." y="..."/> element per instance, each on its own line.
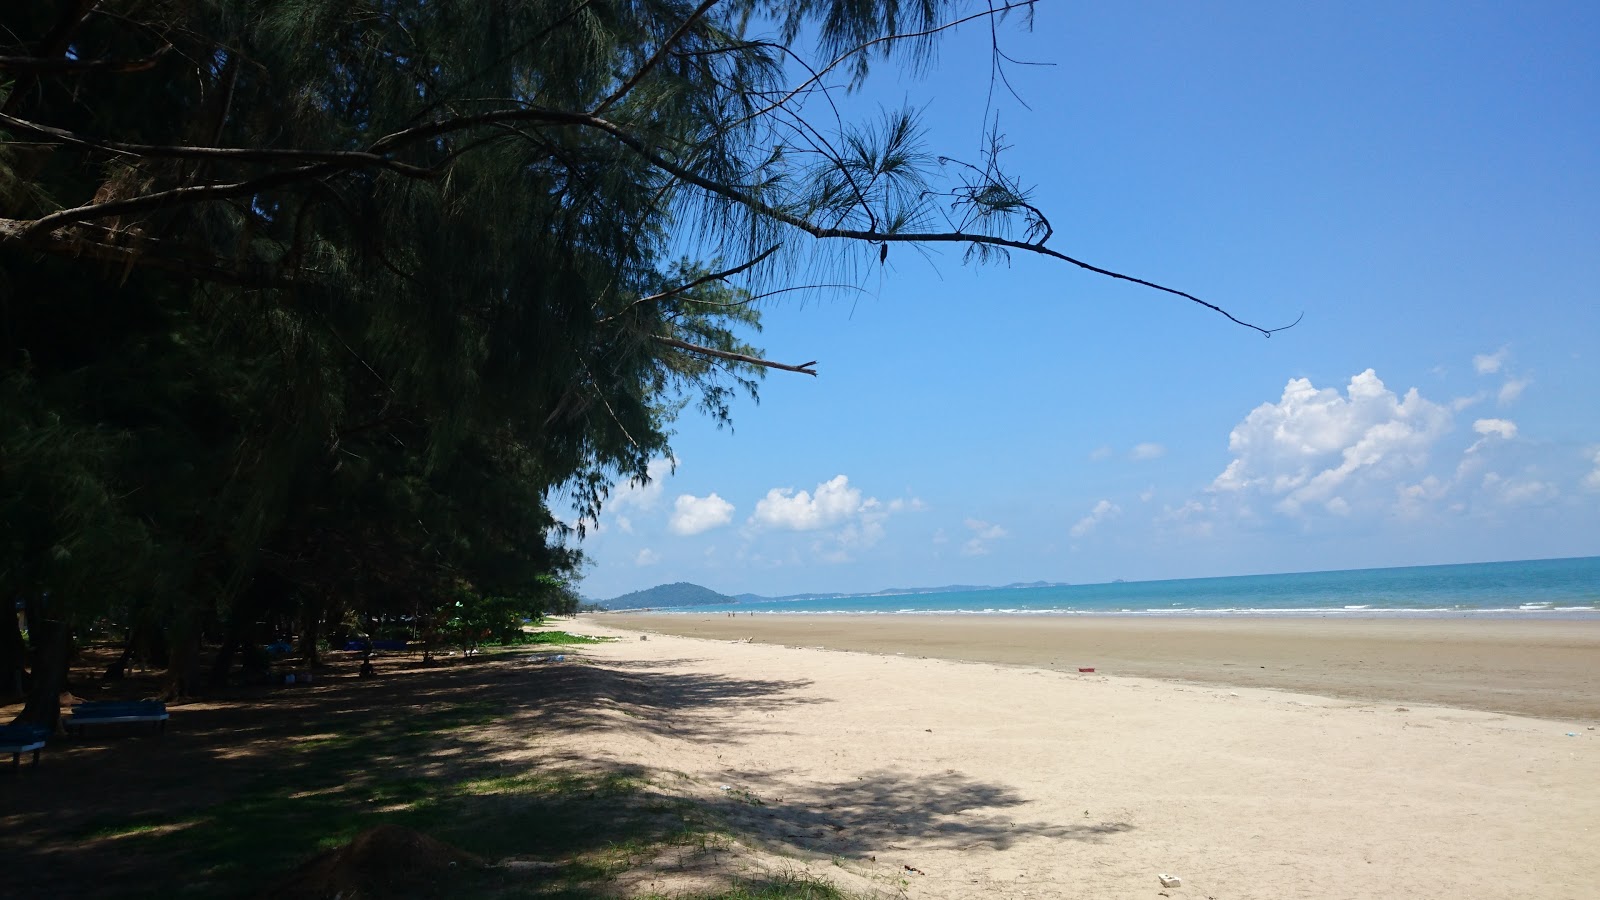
<point x="61" y="243"/>
<point x="803" y="368"/>
<point x="655" y="58"/>
<point x="349" y="158"/>
<point x="878" y="237"/>
<point x="55" y="65"/>
<point x="689" y="286"/>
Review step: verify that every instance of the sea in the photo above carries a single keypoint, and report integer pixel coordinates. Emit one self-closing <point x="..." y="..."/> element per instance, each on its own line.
<point x="1541" y="588"/>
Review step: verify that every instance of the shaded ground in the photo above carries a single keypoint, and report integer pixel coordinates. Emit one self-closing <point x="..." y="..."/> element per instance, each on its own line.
<point x="237" y="793"/>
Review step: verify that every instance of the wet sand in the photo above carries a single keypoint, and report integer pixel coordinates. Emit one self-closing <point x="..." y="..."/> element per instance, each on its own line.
<point x="1541" y="668"/>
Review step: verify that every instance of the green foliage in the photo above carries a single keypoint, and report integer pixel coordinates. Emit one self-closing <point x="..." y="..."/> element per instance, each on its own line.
<point x="309" y="309"/>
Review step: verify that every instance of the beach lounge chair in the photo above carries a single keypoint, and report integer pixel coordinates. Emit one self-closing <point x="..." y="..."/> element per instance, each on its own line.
<point x="110" y="712"/>
<point x="19" y="739"/>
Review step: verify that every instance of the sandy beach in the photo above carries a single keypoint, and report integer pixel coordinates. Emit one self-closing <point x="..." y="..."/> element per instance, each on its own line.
<point x="1016" y="776"/>
<point x="1542" y="667"/>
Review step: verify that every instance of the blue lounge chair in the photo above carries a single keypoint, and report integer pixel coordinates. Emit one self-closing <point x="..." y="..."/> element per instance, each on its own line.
<point x="19" y="739"/>
<point x="107" y="712"/>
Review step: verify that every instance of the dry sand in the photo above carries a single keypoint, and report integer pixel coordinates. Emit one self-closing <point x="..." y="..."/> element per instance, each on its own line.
<point x="1528" y="667"/>
<point x="1012" y="781"/>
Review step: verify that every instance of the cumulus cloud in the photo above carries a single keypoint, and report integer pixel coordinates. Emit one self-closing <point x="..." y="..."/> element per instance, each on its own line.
<point x="646" y="557"/>
<point x="982" y="534"/>
<point x="1147" y="451"/>
<point x="834" y="501"/>
<point x="1490" y="363"/>
<point x="1103" y="510"/>
<point x="856" y="522"/>
<point x="1100" y="454"/>
<point x="692" y="515"/>
<point x="1316" y="446"/>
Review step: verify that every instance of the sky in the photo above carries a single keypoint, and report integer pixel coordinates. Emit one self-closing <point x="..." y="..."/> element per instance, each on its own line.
<point x="1420" y="180"/>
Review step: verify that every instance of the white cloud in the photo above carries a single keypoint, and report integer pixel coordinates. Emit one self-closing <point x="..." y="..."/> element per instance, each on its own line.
<point x="1103" y="510"/>
<point x="1315" y="444"/>
<point x="1490" y="363"/>
<point x="834" y="501"/>
<point x="1100" y="454"/>
<point x="1147" y="451"/>
<point x="641" y="494"/>
<point x="1512" y="389"/>
<point x="646" y="557"/>
<point x="1191" y="519"/>
<point x="1148" y="494"/>
<point x="982" y="533"/>
<point x="835" y="504"/>
<point x="1414" y="498"/>
<point x="1491" y="429"/>
<point x="692" y="515"/>
<point x="1518" y="491"/>
<point x="1592" y="480"/>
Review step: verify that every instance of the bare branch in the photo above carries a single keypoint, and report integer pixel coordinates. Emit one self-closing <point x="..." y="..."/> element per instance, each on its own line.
<point x="691" y="285"/>
<point x="55" y="65"/>
<point x="878" y="237"/>
<point x="353" y="158"/>
<point x="803" y="368"/>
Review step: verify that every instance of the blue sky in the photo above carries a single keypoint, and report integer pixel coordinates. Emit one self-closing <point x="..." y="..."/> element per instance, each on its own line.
<point x="1421" y="180"/>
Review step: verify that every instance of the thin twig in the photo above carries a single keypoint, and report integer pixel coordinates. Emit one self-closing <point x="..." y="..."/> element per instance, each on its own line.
<point x="803" y="368"/>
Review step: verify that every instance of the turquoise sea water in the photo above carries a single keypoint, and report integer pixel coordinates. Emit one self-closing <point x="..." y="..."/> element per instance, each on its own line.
<point x="1545" y="588"/>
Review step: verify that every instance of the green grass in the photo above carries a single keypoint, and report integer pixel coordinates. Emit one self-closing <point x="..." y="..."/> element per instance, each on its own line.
<point x="561" y="638"/>
<point x="786" y="886"/>
<point x="320" y="792"/>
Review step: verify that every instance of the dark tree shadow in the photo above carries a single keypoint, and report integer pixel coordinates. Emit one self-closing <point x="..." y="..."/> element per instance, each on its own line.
<point x="238" y="791"/>
<point x="872" y="812"/>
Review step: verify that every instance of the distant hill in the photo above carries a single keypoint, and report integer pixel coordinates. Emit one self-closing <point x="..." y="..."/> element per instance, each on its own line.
<point x="685" y="594"/>
<point x="680" y="593"/>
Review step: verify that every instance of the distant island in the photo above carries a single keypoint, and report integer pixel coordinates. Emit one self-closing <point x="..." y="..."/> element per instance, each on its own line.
<point x="682" y="593"/>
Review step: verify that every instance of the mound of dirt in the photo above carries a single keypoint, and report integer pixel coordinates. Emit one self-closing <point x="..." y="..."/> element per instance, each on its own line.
<point x="383" y="862"/>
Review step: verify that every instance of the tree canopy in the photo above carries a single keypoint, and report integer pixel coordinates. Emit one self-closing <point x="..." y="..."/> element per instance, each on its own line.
<point x="312" y="308"/>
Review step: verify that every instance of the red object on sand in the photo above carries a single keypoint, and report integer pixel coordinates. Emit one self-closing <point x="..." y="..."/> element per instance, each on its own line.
<point x="1086" y="670"/>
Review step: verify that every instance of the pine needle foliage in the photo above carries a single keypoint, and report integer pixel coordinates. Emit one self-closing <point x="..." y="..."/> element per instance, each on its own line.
<point x="310" y="307"/>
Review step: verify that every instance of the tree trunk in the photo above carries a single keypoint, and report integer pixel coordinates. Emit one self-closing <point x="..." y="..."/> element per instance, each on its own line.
<point x="12" y="653"/>
<point x="224" y="661"/>
<point x="311" y="633"/>
<point x="183" y="658"/>
<point x="52" y="645"/>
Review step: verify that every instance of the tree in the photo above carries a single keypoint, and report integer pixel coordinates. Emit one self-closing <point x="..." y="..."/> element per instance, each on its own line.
<point x="392" y="272"/>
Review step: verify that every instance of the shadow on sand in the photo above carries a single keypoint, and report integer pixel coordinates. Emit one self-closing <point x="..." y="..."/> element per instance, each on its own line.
<point x="236" y="792"/>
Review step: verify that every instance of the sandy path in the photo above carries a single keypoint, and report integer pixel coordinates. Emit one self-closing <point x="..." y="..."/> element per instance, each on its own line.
<point x="1000" y="781"/>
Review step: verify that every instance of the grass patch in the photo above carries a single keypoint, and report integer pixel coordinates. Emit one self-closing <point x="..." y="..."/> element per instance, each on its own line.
<point x="784" y="886"/>
<point x="320" y="793"/>
<point x="560" y="638"/>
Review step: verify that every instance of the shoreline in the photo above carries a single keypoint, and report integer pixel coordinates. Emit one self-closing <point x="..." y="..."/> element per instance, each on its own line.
<point x="1538" y="667"/>
<point x="964" y="780"/>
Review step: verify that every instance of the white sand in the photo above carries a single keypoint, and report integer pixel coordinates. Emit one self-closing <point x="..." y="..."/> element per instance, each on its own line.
<point x="1012" y="782"/>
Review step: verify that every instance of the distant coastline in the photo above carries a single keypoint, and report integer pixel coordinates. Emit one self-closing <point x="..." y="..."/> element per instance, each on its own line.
<point x="1552" y="588"/>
